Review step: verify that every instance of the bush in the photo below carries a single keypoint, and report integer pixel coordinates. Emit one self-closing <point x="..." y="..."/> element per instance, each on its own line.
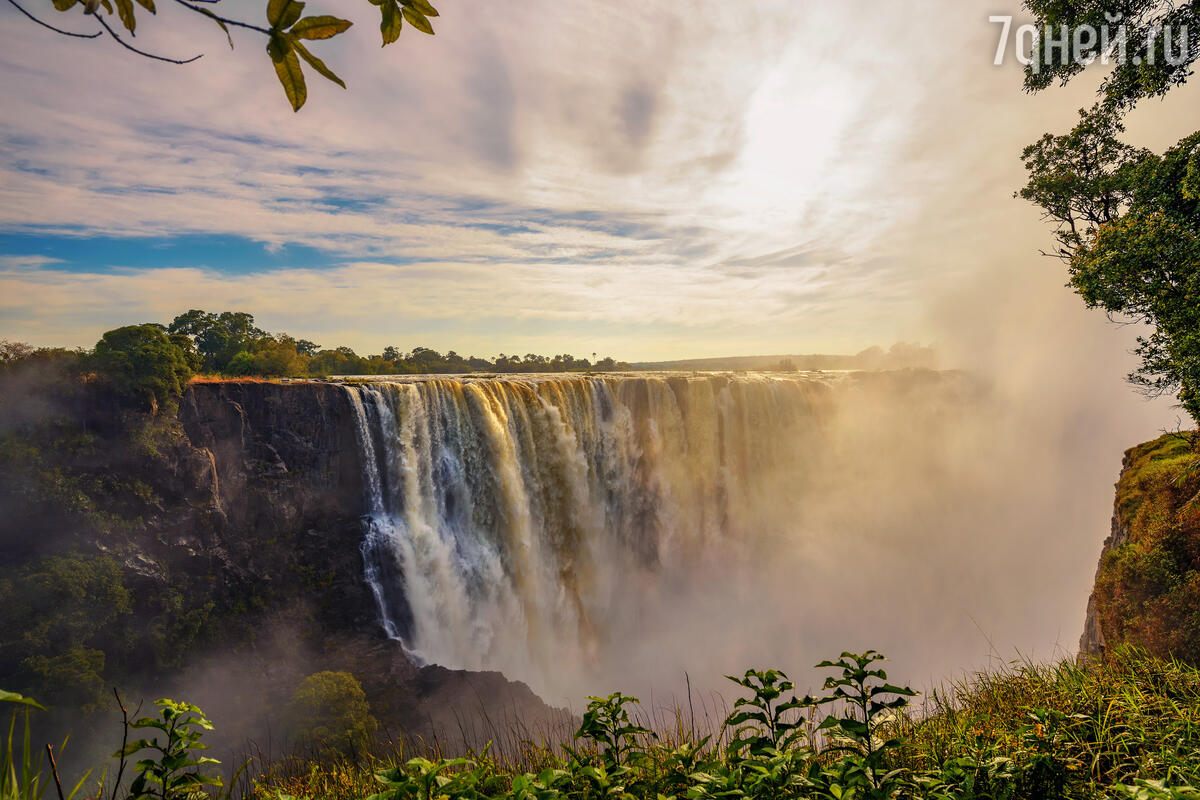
<point x="329" y="712"/>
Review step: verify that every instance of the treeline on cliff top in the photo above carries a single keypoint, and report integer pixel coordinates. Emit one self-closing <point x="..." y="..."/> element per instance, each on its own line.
<point x="153" y="361"/>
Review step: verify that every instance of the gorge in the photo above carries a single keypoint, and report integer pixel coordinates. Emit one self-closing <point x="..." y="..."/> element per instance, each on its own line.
<point x="481" y="542"/>
<point x="548" y="526"/>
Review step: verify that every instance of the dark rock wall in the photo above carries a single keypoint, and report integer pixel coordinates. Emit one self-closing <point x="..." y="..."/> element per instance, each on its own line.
<point x="287" y="483"/>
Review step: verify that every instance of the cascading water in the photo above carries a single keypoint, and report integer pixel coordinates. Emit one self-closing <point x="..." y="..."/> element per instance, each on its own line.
<point x="506" y="519"/>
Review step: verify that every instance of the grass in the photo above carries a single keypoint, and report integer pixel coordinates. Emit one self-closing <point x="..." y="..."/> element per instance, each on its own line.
<point x="1127" y="717"/>
<point x="1125" y="726"/>
<point x="1090" y="730"/>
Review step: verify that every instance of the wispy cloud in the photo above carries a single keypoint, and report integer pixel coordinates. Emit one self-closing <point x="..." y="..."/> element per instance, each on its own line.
<point x="713" y="179"/>
<point x="598" y="164"/>
<point x="27" y="262"/>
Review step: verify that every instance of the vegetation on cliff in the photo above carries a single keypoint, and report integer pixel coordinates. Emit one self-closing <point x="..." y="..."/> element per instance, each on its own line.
<point x="1124" y="726"/>
<point x="229" y="343"/>
<point x="1148" y="585"/>
<point x="90" y="469"/>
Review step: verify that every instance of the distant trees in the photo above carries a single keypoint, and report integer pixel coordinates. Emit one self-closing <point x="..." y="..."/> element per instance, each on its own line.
<point x="218" y="338"/>
<point x="144" y="365"/>
<point x="230" y="343"/>
<point x="55" y="618"/>
<point x="149" y="365"/>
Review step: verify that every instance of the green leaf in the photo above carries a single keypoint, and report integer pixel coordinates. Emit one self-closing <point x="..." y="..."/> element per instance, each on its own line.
<point x="290" y="76"/>
<point x="317" y="63"/>
<point x="391" y="21"/>
<point x="13" y="697"/>
<point x="291" y="14"/>
<point x="132" y="747"/>
<point x="148" y="5"/>
<point x="64" y="5"/>
<point x="323" y="27"/>
<point x="283" y="13"/>
<point x="125" y="11"/>
<point x="415" y="18"/>
<point x="225" y="28"/>
<point x="423" y="7"/>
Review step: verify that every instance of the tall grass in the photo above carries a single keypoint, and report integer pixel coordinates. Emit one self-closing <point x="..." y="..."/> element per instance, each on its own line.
<point x="1125" y="726"/>
<point x="26" y="772"/>
<point x="1108" y="721"/>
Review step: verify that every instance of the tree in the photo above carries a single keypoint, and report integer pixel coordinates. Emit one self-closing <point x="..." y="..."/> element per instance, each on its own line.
<point x="1127" y="220"/>
<point x="144" y="365"/>
<point x="286" y="30"/>
<point x="306" y="348"/>
<point x="329" y="711"/>
<point x="56" y="616"/>
<point x="1158" y="53"/>
<point x="218" y="338"/>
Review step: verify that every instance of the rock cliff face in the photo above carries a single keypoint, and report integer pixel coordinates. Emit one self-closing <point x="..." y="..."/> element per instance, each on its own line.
<point x="1147" y="590"/>
<point x="285" y="486"/>
<point x="1092" y="643"/>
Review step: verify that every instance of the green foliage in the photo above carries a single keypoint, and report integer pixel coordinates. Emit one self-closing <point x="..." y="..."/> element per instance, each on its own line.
<point x="229" y="343"/>
<point x="1127" y="727"/>
<point x="1148" y="587"/>
<point x="286" y="31"/>
<point x="1065" y="730"/>
<point x="1129" y="80"/>
<point x="143" y="364"/>
<point x="763" y="722"/>
<point x="1129" y="230"/>
<point x="1128" y="220"/>
<point x="217" y="338"/>
<point x="606" y="724"/>
<point x="329" y="711"/>
<point x="175" y="771"/>
<point x="54" y="611"/>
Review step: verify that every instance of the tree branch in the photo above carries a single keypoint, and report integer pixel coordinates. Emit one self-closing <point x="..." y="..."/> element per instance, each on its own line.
<point x="225" y="20"/>
<point x="18" y="7"/>
<point x="130" y="47"/>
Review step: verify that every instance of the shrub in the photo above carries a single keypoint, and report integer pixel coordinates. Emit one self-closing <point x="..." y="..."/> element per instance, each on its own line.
<point x="329" y="712"/>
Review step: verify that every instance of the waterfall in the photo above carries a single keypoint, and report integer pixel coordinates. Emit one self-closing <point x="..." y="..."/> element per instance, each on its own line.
<point x="507" y="518"/>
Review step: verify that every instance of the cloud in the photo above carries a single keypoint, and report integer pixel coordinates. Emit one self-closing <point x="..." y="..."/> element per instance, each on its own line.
<point x="547" y="135"/>
<point x="27" y="262"/>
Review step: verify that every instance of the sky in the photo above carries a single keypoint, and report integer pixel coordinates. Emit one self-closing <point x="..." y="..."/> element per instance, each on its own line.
<point x="648" y="181"/>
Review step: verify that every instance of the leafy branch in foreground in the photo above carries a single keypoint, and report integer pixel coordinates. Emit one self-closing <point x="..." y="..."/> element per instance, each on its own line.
<point x="286" y="30"/>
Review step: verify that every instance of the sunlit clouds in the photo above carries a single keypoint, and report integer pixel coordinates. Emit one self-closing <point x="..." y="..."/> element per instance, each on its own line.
<point x="543" y="167"/>
<point x="663" y="182"/>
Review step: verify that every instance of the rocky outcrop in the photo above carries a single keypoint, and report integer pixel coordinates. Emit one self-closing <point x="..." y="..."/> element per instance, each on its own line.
<point x="288" y="487"/>
<point x="1091" y="643"/>
<point x="1147" y="588"/>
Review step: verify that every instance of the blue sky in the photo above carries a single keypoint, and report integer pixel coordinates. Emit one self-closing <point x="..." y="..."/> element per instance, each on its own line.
<point x="651" y="182"/>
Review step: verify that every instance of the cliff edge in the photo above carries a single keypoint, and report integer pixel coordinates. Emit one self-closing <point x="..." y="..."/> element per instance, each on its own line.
<point x="1147" y="589"/>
